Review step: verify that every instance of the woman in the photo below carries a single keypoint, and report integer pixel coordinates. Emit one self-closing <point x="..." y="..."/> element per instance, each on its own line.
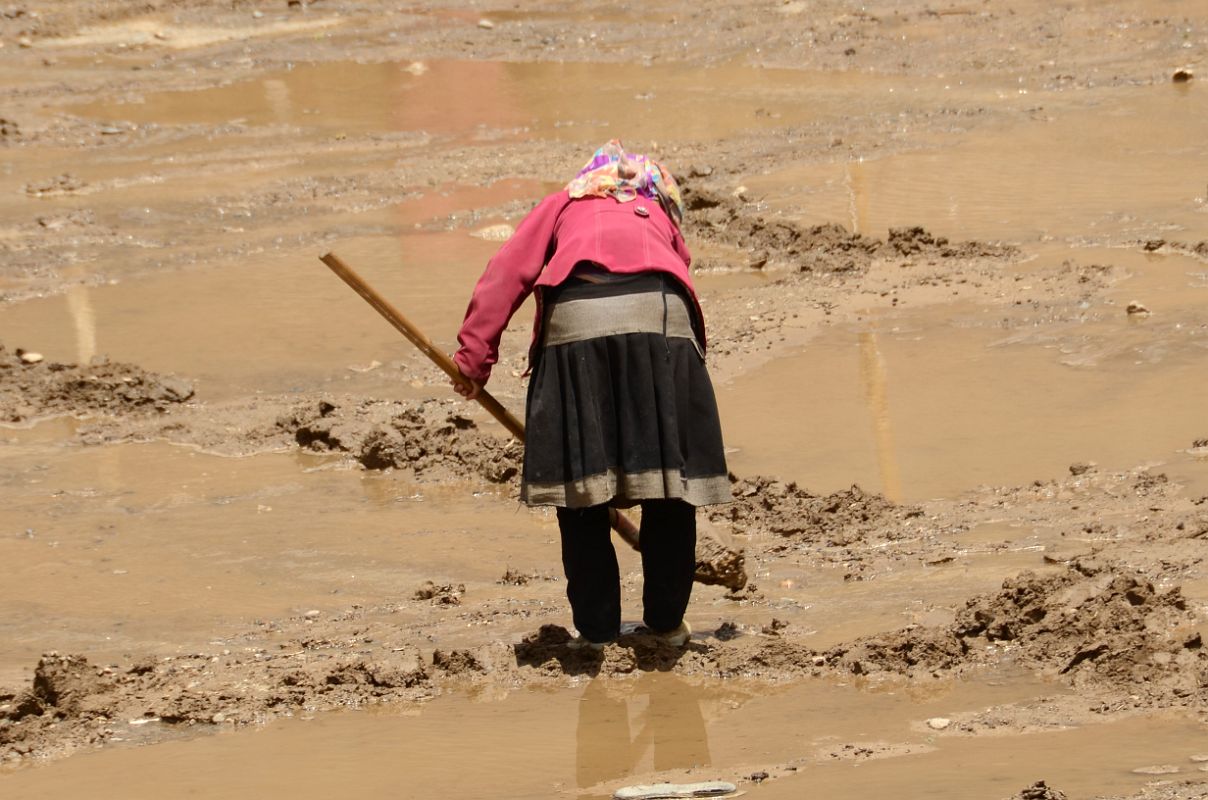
<point x="620" y="407"/>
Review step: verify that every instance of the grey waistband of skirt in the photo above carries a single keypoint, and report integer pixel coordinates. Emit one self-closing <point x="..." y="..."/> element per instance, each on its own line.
<point x="664" y="312"/>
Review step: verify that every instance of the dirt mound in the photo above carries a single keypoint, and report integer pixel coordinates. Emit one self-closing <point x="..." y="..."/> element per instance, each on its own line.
<point x="813" y="248"/>
<point x="719" y="565"/>
<point x="1097" y="625"/>
<point x="1038" y="791"/>
<point x="32" y="388"/>
<point x="73" y="702"/>
<point x="427" y="439"/>
<point x="767" y="505"/>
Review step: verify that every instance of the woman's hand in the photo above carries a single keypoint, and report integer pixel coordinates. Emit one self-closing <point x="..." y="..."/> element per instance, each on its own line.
<point x="466" y="387"/>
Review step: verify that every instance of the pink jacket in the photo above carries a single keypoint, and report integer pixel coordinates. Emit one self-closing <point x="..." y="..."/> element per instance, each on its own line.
<point x="635" y="236"/>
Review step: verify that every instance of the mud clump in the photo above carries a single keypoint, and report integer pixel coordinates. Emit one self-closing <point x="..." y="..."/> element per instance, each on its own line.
<point x="916" y="240"/>
<point x="815" y="248"/>
<point x="1095" y="625"/>
<point x="73" y="703"/>
<point x="725" y="219"/>
<point x="766" y="505"/>
<point x="427" y="439"/>
<point x="1038" y="791"/>
<point x="40" y="389"/>
<point x="718" y="565"/>
<point x="440" y="594"/>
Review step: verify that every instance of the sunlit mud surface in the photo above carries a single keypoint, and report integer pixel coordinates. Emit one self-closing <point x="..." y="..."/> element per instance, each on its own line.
<point x="954" y="264"/>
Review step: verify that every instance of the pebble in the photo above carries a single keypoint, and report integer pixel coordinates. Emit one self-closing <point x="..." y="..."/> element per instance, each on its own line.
<point x="486" y="24"/>
<point x="313" y="613"/>
<point x="1182" y="75"/>
<point x="31" y="358"/>
<point x="1135" y="307"/>
<point x="25" y="41"/>
<point x="938" y="723"/>
<point x="218" y="718"/>
<point x="1200" y="758"/>
<point x="257" y="15"/>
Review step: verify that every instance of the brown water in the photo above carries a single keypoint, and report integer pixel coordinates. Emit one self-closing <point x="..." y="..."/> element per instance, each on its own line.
<point x="162" y="546"/>
<point x="588" y="741"/>
<point x="928" y="403"/>
<point x="1104" y="172"/>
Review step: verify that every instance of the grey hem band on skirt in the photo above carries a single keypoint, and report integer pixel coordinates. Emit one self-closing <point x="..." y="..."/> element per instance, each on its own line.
<point x="620" y="406"/>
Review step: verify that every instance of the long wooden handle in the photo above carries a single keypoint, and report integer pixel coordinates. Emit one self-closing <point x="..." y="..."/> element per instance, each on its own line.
<point x="417" y="338"/>
<point x="620" y="523"/>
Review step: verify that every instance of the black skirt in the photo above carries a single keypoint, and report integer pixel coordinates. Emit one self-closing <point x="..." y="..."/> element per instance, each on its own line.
<point x="620" y="405"/>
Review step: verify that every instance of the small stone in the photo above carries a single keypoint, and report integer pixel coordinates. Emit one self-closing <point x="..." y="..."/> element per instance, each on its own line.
<point x="163" y="36"/>
<point x="1200" y="758"/>
<point x="1182" y="75"/>
<point x="31" y="358"/>
<point x="218" y="718"/>
<point x="740" y="192"/>
<point x="312" y="614"/>
<point x="486" y="24"/>
<point x="1082" y="467"/>
<point x="1135" y="307"/>
<point x="25" y="41"/>
<point x="938" y="723"/>
<point x="257" y="14"/>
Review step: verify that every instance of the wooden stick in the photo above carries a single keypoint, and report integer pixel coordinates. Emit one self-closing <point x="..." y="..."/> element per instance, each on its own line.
<point x="620" y="523"/>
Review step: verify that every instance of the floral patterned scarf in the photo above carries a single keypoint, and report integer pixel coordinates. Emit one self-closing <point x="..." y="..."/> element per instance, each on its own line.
<point x="612" y="172"/>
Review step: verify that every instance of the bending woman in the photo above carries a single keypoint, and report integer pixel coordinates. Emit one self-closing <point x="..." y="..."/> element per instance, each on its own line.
<point x="620" y="407"/>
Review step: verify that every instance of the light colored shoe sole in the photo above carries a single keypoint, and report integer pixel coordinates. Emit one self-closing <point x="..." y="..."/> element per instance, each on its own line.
<point x="678" y="637"/>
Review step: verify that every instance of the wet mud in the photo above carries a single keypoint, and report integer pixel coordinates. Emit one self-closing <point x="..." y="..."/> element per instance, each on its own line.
<point x="898" y="321"/>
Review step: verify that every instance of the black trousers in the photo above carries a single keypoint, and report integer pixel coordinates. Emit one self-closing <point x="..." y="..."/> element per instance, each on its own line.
<point x="593" y="581"/>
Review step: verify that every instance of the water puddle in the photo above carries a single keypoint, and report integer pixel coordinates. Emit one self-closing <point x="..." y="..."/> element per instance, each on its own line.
<point x="162" y="546"/>
<point x="279" y="323"/>
<point x="587" y="741"/>
<point x="574" y="743"/>
<point x="1104" y="172"/>
<point x="532" y="97"/>
<point x="905" y="406"/>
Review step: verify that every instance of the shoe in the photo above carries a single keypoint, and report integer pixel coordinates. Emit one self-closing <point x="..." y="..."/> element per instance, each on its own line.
<point x="678" y="637"/>
<point x="581" y="643"/>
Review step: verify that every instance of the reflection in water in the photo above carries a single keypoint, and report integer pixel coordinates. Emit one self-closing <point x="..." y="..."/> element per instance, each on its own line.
<point x="671" y="729"/>
<point x="876" y="394"/>
<point x="276" y="94"/>
<point x="857" y="189"/>
<point x="79" y="305"/>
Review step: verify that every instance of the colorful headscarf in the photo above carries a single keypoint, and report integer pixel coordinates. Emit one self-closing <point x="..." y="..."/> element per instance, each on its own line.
<point x="602" y="177"/>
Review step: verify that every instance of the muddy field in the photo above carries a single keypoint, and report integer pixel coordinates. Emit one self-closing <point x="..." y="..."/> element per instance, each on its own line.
<point x="954" y="264"/>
